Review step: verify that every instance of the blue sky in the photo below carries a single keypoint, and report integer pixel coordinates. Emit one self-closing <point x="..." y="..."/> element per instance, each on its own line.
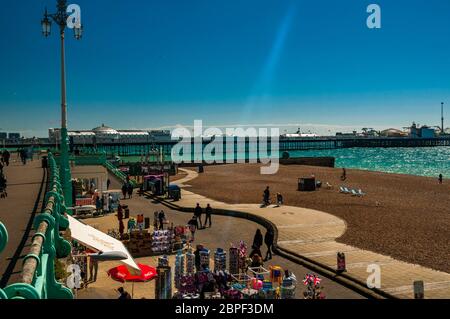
<point x="155" y="63"/>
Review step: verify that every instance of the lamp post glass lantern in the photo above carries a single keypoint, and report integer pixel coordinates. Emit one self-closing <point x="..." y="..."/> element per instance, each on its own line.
<point x="60" y="18"/>
<point x="46" y="25"/>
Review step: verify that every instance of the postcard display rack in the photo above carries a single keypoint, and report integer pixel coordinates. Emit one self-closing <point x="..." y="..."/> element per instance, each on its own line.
<point x="163" y="285"/>
<point x="239" y="282"/>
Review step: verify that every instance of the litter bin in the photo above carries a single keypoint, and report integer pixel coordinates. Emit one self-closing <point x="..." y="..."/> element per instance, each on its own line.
<point x="201" y="169"/>
<point x="44" y="161"/>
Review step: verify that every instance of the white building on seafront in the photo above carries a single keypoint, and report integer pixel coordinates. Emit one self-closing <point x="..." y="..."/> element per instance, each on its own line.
<point x="108" y="135"/>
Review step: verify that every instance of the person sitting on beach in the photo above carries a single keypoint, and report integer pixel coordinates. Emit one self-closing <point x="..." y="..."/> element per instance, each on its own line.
<point x="279" y="199"/>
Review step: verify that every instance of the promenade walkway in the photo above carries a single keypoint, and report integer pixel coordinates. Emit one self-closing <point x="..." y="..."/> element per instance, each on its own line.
<point x="24" y="188"/>
<point x="312" y="234"/>
<point x="224" y="231"/>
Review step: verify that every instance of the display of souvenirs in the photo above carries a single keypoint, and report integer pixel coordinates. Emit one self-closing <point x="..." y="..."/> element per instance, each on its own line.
<point x="242" y="249"/>
<point x="213" y="295"/>
<point x="251" y="283"/>
<point x="190" y="261"/>
<point x="259" y="272"/>
<point x="232" y="294"/>
<point x="188" y="284"/>
<point x="162" y="241"/>
<point x="163" y="261"/>
<point x="288" y="285"/>
<point x="233" y="262"/>
<point x="145" y="243"/>
<point x="179" y="268"/>
<point x="276" y="274"/>
<point x="220" y="260"/>
<point x="238" y="258"/>
<point x="190" y="296"/>
<point x="204" y="258"/>
<point x="163" y="285"/>
<point x="313" y="288"/>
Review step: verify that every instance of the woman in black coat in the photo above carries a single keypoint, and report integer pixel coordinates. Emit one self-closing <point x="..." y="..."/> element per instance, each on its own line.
<point x="258" y="239"/>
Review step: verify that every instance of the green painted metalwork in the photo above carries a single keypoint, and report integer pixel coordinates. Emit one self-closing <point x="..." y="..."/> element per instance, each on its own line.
<point x="42" y="284"/>
<point x="3" y="243"/>
<point x="99" y="159"/>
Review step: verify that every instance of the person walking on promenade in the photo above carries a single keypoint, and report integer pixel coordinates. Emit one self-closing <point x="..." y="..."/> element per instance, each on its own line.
<point x="258" y="239"/>
<point x="130" y="190"/>
<point x="208" y="213"/>
<point x="161" y="218"/>
<point x="6" y="156"/>
<point x="266" y="196"/>
<point x="124" y="190"/>
<point x="440" y="178"/>
<point x="23" y="156"/>
<point x="268" y="240"/>
<point x="119" y="212"/>
<point x="198" y="214"/>
<point x="93" y="269"/>
<point x="108" y="183"/>
<point x="98" y="204"/>
<point x="193" y="226"/>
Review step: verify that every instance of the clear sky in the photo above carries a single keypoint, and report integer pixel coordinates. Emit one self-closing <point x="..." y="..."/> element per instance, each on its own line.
<point x="159" y="63"/>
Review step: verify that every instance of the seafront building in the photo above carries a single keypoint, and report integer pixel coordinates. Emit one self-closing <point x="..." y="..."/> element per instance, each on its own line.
<point x="105" y="134"/>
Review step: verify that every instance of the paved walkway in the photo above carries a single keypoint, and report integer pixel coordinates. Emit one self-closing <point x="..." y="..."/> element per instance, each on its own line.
<point x="224" y="231"/>
<point x="24" y="183"/>
<point x="313" y="234"/>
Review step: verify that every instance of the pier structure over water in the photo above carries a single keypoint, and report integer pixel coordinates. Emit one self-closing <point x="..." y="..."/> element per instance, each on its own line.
<point x="285" y="144"/>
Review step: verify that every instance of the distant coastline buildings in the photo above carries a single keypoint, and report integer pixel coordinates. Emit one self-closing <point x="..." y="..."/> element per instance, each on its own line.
<point x="108" y="135"/>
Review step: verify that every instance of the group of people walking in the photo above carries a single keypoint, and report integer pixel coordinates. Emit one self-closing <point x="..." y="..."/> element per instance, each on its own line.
<point x="24" y="154"/>
<point x="196" y="220"/>
<point x="127" y="189"/>
<point x="258" y="240"/>
<point x="266" y="198"/>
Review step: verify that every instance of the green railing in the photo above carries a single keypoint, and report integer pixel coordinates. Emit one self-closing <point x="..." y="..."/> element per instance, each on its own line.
<point x="38" y="271"/>
<point x="100" y="159"/>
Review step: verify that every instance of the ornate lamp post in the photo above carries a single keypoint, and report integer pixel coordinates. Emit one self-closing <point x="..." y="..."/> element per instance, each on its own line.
<point x="60" y="18"/>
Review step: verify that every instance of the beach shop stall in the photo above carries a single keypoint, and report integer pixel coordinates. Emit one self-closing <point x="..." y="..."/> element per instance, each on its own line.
<point x="154" y="184"/>
<point x="203" y="273"/>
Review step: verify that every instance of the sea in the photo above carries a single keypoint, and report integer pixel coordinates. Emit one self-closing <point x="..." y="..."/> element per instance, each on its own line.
<point x="421" y="161"/>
